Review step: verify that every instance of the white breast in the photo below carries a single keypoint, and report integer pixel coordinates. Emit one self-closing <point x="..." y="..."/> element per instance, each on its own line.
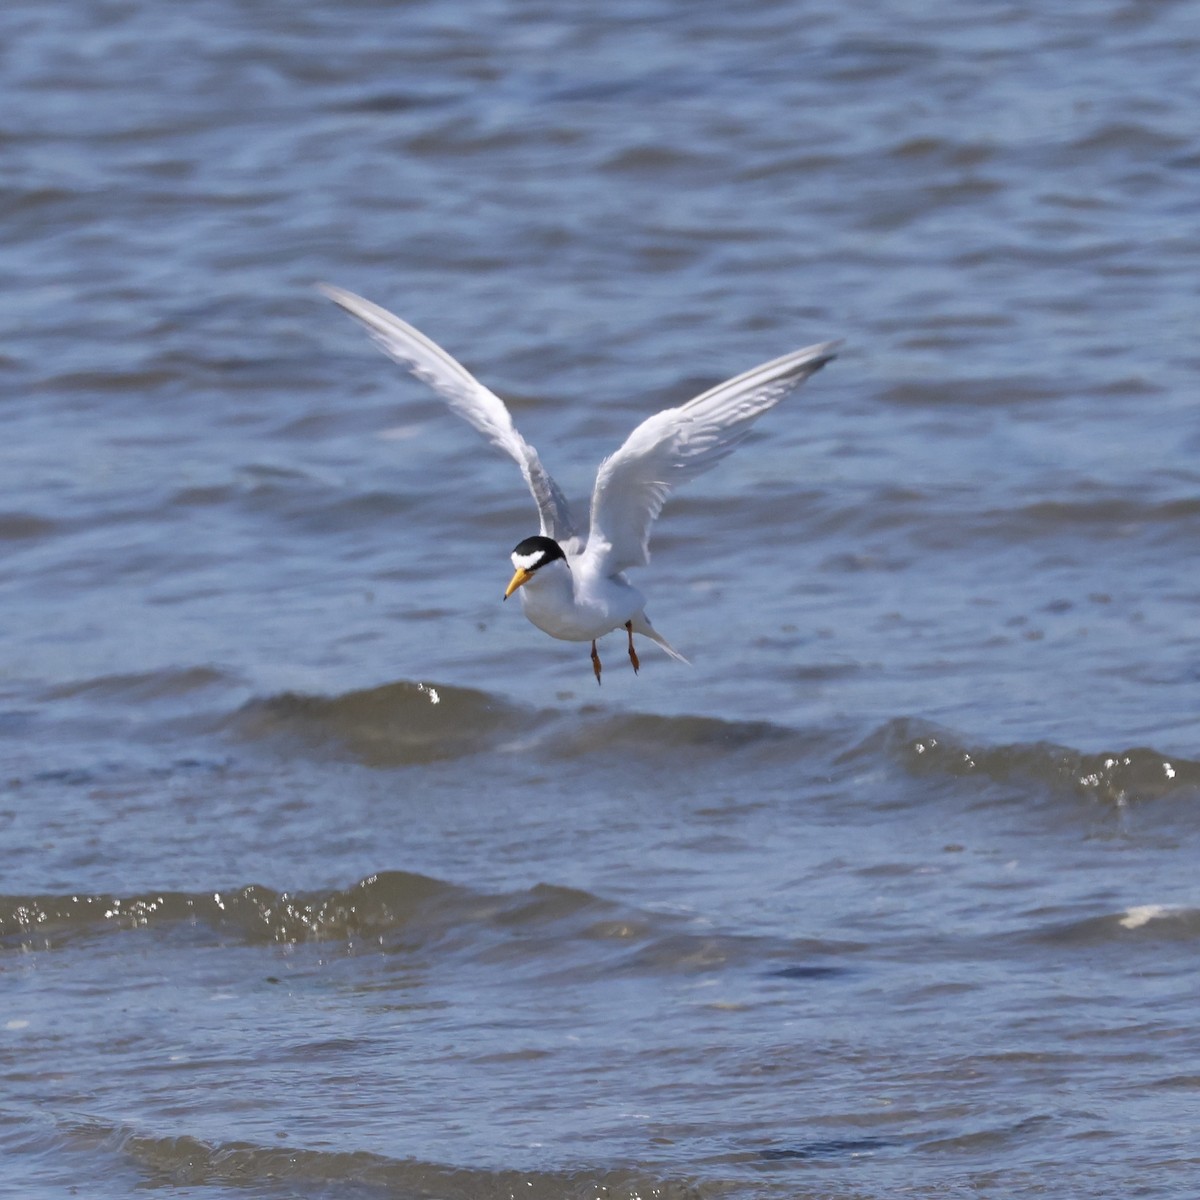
<point x="575" y="608"/>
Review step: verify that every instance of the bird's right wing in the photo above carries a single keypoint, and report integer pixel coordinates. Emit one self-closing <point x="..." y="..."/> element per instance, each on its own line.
<point x="466" y="396"/>
<point x="678" y="444"/>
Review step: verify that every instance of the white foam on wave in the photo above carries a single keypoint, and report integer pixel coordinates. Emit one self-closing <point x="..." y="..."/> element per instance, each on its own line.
<point x="1143" y="914"/>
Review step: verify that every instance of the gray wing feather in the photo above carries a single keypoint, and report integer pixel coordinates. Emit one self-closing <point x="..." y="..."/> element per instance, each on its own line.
<point x="478" y="406"/>
<point x="678" y="444"/>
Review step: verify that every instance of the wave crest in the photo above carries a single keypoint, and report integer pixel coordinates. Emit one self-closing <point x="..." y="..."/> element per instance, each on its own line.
<point x="1120" y="777"/>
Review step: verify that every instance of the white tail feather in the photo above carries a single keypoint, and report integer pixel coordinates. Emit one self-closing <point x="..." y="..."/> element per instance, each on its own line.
<point x="642" y="625"/>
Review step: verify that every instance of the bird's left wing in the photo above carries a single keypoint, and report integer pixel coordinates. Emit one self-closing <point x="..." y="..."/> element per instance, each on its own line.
<point x="678" y="444"/>
<point x="480" y="407"/>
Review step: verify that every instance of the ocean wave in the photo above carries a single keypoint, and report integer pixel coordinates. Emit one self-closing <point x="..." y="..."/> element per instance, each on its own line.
<point x="141" y="687"/>
<point x="392" y="725"/>
<point x="252" y="913"/>
<point x="411" y="723"/>
<point x="403" y="911"/>
<point x="185" y="1161"/>
<point x="649" y="733"/>
<point x="1139" y="923"/>
<point x="1117" y="778"/>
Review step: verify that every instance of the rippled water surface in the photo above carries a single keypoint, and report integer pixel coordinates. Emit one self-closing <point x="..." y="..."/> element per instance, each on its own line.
<point x="325" y="874"/>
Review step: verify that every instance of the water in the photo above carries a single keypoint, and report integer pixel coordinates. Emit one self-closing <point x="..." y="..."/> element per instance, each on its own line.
<point x="327" y="875"/>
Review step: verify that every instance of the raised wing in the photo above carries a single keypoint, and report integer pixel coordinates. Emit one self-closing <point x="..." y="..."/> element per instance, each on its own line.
<point x="466" y="396"/>
<point x="678" y="444"/>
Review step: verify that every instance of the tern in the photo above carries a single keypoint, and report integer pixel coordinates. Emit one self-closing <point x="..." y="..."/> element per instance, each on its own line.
<point x="571" y="588"/>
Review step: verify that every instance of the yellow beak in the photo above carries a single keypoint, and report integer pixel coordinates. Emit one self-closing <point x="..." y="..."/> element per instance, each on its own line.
<point x="521" y="576"/>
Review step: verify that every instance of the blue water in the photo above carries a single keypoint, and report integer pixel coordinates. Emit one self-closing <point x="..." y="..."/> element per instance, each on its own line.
<point x="328" y="875"/>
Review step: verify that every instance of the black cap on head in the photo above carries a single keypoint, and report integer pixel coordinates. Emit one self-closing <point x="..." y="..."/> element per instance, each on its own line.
<point x="537" y="552"/>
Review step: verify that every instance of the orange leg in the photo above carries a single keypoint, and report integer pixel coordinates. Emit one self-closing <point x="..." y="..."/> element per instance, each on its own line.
<point x="595" y="661"/>
<point x="633" y="658"/>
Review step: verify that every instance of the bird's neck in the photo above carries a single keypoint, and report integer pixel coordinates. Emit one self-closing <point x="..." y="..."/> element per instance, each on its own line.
<point x="553" y="584"/>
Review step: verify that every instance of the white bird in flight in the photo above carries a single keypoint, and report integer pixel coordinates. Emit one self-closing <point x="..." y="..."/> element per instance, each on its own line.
<point x="570" y="588"/>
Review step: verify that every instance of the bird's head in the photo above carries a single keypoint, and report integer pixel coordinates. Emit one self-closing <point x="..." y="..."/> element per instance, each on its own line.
<point x="529" y="557"/>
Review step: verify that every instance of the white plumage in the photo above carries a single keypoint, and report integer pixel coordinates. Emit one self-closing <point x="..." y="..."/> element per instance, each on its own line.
<point x="576" y="590"/>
